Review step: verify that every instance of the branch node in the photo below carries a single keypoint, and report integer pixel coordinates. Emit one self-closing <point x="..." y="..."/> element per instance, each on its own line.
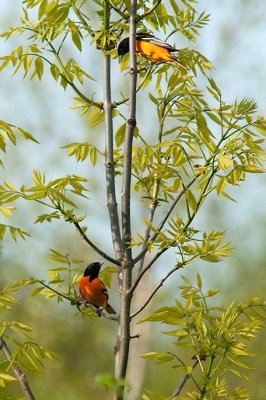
<point x="132" y="122"/>
<point x="137" y="336"/>
<point x="117" y="347"/>
<point x="109" y="164"/>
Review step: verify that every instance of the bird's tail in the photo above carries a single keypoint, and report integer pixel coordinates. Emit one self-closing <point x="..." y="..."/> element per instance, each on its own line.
<point x="109" y="309"/>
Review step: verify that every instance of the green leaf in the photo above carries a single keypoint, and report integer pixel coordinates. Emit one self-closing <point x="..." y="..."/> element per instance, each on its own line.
<point x="96" y="117"/>
<point x="203" y="126"/>
<point x="160" y="357"/>
<point x="55" y="71"/>
<point x="2" y="231"/>
<point x="107" y="275"/>
<point x="106" y="380"/>
<point x="42" y="8"/>
<point x="27" y="135"/>
<point x="93" y="155"/>
<point x="211" y="292"/>
<point x="221" y="185"/>
<point x="76" y="40"/>
<point x="239" y="350"/>
<point x="199" y="282"/>
<point x="39" y="67"/>
<point x="120" y="135"/>
<point x="10" y="185"/>
<point x="58" y="257"/>
<point x="224" y="162"/>
<point x="7" y="211"/>
<point x="23" y="327"/>
<point x="214" y="86"/>
<point x="253" y="169"/>
<point x="177" y="332"/>
<point x="191" y="200"/>
<point x="7" y="377"/>
<point x="60" y="14"/>
<point x="228" y="196"/>
<point x="36" y="291"/>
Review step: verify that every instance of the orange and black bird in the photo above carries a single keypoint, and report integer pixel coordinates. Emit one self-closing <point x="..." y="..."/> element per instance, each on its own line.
<point x="93" y="290"/>
<point x="151" y="48"/>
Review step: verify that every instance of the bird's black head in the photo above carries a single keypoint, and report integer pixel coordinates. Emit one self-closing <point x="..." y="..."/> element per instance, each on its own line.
<point x="123" y="47"/>
<point x="93" y="270"/>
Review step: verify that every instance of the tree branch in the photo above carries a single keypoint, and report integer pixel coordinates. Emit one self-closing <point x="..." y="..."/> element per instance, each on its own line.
<point x="185" y="379"/>
<point x="125" y="273"/>
<point x="149" y="71"/>
<point x="56" y="291"/>
<point x="131" y="124"/>
<point x="64" y="76"/>
<point x="21" y="377"/>
<point x="116" y="9"/>
<point x="143" y="271"/>
<point x="93" y="246"/>
<point x="159" y="253"/>
<point x="164" y="220"/>
<point x="79" y="301"/>
<point x="109" y="157"/>
<point x="144" y="15"/>
<point x="152" y="208"/>
<point x="160" y="284"/>
<point x="147" y="235"/>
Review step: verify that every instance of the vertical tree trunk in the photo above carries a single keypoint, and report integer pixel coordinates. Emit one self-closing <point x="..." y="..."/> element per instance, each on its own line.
<point x="139" y="346"/>
<point x="125" y="273"/>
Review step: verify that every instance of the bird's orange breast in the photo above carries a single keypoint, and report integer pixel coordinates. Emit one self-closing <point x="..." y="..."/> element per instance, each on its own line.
<point x="153" y="52"/>
<point x="93" y="291"/>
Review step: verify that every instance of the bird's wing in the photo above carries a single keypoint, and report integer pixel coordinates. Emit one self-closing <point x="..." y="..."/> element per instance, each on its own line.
<point x="146" y="37"/>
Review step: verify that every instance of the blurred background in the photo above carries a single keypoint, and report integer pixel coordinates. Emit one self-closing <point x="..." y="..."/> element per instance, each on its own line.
<point x="234" y="42"/>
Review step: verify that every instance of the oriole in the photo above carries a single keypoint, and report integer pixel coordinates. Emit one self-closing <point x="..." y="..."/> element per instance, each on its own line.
<point x="93" y="290"/>
<point x="151" y="48"/>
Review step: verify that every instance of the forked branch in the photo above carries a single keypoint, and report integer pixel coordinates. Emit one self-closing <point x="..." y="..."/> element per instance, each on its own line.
<point x="160" y="284"/>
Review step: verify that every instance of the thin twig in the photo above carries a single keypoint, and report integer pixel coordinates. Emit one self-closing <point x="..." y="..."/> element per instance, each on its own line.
<point x="152" y="209"/>
<point x="185" y="379"/>
<point x="160" y="226"/>
<point x="100" y="312"/>
<point x="64" y="75"/>
<point x="21" y="377"/>
<point x="116" y="9"/>
<point x="144" y="15"/>
<point x="160" y="284"/>
<point x="56" y="291"/>
<point x="79" y="301"/>
<point x="92" y="245"/>
<point x="80" y="16"/>
<point x="143" y="81"/>
<point x="164" y="220"/>
<point x="144" y="270"/>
